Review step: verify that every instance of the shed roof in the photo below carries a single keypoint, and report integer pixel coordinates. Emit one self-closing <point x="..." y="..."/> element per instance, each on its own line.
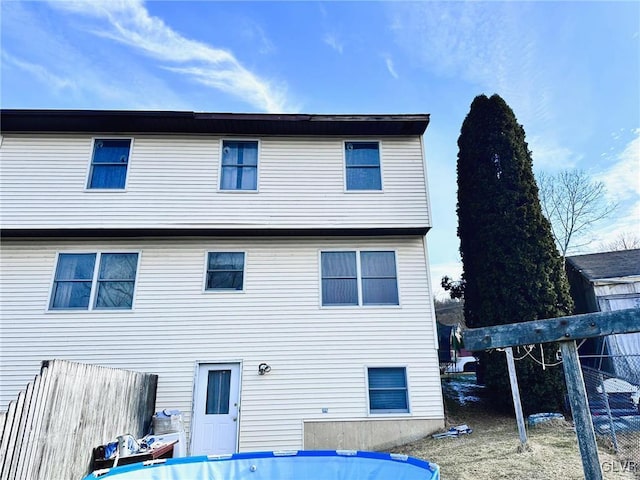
<point x="134" y="121"/>
<point x="595" y="266"/>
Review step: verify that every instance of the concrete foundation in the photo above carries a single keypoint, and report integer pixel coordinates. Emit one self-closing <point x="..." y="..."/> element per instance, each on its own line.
<point x="375" y="434"/>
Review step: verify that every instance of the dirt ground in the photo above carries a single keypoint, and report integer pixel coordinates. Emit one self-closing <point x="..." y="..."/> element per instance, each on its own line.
<point x="493" y="450"/>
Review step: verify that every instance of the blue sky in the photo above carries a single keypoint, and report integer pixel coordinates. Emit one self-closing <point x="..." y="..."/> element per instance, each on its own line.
<point x="569" y="70"/>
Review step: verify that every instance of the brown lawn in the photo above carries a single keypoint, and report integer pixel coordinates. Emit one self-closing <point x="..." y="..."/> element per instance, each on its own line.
<point x="493" y="450"/>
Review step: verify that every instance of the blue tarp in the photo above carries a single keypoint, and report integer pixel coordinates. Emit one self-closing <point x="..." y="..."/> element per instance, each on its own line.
<point x="295" y="465"/>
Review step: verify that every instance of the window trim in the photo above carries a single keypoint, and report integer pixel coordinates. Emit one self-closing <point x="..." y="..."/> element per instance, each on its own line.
<point x="91" y="307"/>
<point x="223" y="291"/>
<point x="220" y="152"/>
<point x="376" y="413"/>
<point x="358" y="251"/>
<point x="90" y="166"/>
<point x="344" y="165"/>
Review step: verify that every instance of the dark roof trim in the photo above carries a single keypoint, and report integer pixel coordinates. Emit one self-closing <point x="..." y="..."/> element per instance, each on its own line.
<point x="207" y="232"/>
<point x="130" y="121"/>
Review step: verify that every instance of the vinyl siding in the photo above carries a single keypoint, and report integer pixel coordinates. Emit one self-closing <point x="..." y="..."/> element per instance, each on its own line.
<point x="173" y="182"/>
<point x="318" y="355"/>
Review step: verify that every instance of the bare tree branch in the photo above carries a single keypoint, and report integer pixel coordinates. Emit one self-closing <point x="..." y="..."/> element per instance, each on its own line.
<point x="573" y="204"/>
<point x="624" y="241"/>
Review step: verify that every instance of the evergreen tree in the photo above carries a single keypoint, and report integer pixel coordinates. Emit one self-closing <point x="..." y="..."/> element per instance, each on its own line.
<point x="512" y="271"/>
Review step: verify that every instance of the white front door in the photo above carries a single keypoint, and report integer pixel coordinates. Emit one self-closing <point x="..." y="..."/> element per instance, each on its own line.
<point x="214" y="429"/>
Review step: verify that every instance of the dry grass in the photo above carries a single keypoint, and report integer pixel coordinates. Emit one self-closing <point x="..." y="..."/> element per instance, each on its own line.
<point x="493" y="450"/>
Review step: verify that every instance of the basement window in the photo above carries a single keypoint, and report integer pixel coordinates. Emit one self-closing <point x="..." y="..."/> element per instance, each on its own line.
<point x="388" y="391"/>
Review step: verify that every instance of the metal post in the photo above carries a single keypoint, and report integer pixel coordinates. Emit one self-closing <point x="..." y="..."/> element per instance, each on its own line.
<point x="612" y="427"/>
<point x="580" y="411"/>
<point x="515" y="393"/>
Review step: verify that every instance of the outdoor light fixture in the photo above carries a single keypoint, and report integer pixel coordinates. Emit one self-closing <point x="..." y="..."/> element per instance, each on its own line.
<point x="263" y="368"/>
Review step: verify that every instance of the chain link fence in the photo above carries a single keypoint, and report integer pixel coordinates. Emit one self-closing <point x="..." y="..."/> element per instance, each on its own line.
<point x="613" y="390"/>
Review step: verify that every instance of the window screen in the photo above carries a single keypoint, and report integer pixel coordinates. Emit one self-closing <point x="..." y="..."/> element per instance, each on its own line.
<point x="362" y="161"/>
<point x="239" y="165"/>
<point x="388" y="390"/>
<point x="109" y="163"/>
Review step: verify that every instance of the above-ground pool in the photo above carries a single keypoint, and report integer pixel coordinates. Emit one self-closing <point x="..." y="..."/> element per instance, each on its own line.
<point x="289" y="465"/>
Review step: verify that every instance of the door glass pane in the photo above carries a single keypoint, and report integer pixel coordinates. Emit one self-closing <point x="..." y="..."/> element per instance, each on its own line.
<point x="218" y="388"/>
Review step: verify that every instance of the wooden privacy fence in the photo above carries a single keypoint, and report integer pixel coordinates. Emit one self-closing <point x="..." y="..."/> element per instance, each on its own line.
<point x="49" y="431"/>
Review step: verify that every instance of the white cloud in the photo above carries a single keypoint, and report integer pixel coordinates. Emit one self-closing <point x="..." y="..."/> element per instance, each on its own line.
<point x="256" y="34"/>
<point x="549" y="156"/>
<point x="70" y="75"/>
<point x="622" y="184"/>
<point x="452" y="270"/>
<point x="333" y="41"/>
<point x="129" y="23"/>
<point x="622" y="179"/>
<point x="626" y="223"/>
<point x="41" y="73"/>
<point x="489" y="44"/>
<point x="390" y="67"/>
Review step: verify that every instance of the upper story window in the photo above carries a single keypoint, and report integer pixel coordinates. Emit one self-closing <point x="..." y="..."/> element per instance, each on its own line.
<point x="78" y="285"/>
<point x="109" y="163"/>
<point x="239" y="169"/>
<point x="388" y="391"/>
<point x="362" y="163"/>
<point x="225" y="271"/>
<point x="359" y="278"/>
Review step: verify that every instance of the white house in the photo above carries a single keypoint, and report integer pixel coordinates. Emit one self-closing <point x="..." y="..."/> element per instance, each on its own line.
<point x="271" y="269"/>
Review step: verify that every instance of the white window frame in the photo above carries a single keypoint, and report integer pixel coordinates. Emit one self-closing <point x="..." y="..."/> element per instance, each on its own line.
<point x="258" y="167"/>
<point x="344" y="165"/>
<point x="358" y="251"/>
<point x="224" y="290"/>
<point x="90" y="166"/>
<point x="389" y="413"/>
<point x="94" y="282"/>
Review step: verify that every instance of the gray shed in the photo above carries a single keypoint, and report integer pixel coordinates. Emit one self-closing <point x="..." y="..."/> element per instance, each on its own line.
<point x="602" y="282"/>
